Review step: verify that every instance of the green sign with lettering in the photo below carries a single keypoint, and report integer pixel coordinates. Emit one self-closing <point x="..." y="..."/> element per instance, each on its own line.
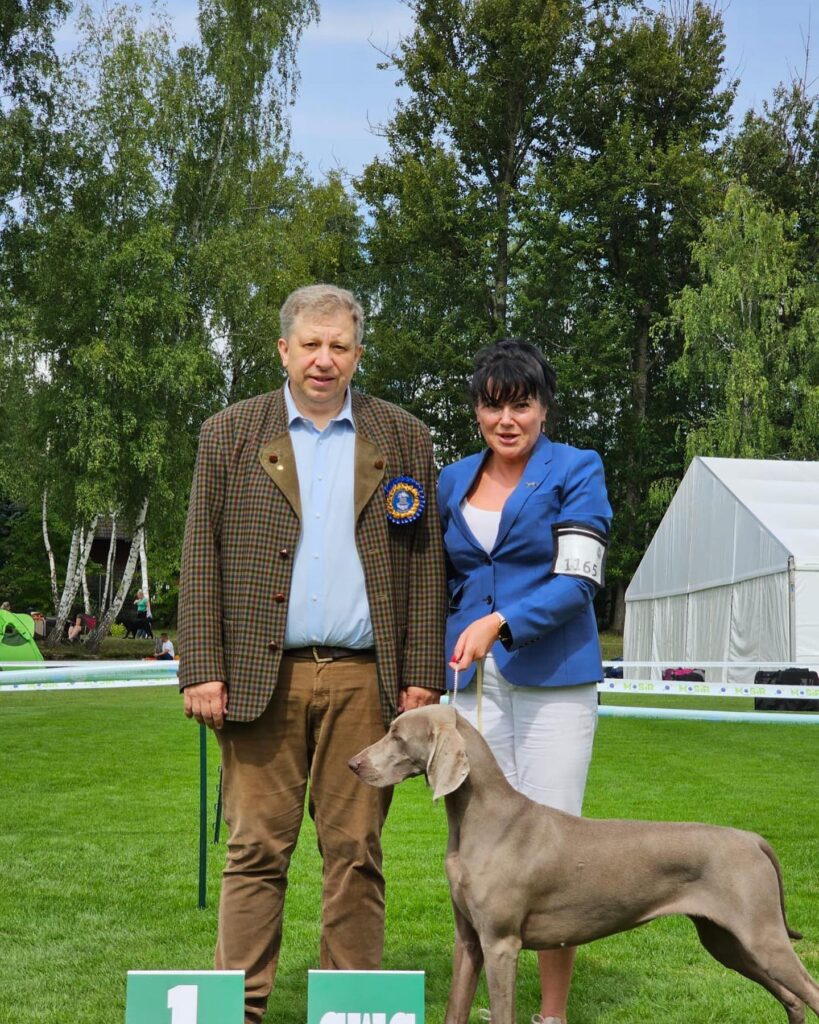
<point x="365" y="997"/>
<point x="185" y="997"/>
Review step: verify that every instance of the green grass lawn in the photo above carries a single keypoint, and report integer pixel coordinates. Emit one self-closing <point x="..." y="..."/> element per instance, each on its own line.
<point x="611" y="645"/>
<point x="98" y="847"/>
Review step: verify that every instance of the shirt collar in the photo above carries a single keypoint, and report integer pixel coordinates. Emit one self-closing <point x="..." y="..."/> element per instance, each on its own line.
<point x="345" y="415"/>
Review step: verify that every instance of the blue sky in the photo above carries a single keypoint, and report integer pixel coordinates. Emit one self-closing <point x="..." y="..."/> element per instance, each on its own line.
<point x="342" y="94"/>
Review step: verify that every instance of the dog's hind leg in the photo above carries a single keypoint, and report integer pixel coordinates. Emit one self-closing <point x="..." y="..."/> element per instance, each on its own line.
<point x="725" y="947"/>
<point x="467" y="960"/>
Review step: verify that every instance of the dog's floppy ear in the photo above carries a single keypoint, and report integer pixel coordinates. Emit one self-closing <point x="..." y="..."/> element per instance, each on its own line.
<point x="447" y="765"/>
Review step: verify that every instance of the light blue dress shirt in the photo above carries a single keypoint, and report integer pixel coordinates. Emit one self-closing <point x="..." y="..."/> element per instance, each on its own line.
<point x="328" y="596"/>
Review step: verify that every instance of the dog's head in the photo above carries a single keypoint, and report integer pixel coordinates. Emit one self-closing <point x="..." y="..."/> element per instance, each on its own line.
<point x="425" y="741"/>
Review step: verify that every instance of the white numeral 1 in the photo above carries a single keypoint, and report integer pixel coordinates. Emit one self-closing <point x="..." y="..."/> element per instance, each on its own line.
<point x="182" y="1002"/>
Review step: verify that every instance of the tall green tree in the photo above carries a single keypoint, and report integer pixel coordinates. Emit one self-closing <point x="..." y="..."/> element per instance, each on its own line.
<point x="751" y="337"/>
<point x="253" y="224"/>
<point x="776" y="153"/>
<point x="547" y="177"/>
<point x="284" y="231"/>
<point x="27" y="63"/>
<point x="488" y="81"/>
<point x="124" y="378"/>
<point x="614" y="224"/>
<point x="146" y="269"/>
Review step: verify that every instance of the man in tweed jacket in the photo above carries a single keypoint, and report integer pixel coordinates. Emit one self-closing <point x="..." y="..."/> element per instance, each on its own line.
<point x="311" y="613"/>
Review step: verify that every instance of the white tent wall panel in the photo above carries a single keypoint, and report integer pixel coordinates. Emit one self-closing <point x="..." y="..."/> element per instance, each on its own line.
<point x="708" y="628"/>
<point x="717" y="624"/>
<point x="760" y="625"/>
<point x="806" y="615"/>
<point x="664" y="568"/>
<point x="713" y="519"/>
<point x="755" y="550"/>
<point x="637" y="633"/>
<point x="668" y="633"/>
<point x="670" y="560"/>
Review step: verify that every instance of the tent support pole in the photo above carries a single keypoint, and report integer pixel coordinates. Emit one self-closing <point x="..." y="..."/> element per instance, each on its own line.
<point x="791" y="610"/>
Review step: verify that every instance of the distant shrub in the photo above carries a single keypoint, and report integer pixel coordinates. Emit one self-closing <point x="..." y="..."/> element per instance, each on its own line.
<point x="119" y="631"/>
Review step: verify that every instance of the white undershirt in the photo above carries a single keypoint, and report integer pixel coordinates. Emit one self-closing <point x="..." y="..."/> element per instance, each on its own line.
<point x="483" y="522"/>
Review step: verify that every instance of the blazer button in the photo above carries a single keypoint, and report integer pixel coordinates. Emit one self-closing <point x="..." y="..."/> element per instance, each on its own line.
<point x="278" y="598"/>
<point x="379" y="463"/>
<point x="487" y="560"/>
<point x="488" y="599"/>
<point x="284" y="553"/>
<point x="272" y="458"/>
<point x="272" y="646"/>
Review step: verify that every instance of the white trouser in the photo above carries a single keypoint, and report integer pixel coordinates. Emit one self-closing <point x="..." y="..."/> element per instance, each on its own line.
<point x="541" y="736"/>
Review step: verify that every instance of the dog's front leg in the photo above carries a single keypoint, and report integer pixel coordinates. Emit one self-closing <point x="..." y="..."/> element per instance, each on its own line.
<point x="501" y="963"/>
<point x="467" y="960"/>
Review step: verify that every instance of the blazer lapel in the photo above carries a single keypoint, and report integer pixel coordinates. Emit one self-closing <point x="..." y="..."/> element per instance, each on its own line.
<point x="370" y="459"/>
<point x="369" y="471"/>
<point x="533" y="476"/>
<point x="279" y="462"/>
<point x="470" y="468"/>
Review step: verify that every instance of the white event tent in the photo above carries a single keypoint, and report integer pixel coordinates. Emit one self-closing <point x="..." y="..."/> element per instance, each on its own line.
<point x="732" y="573"/>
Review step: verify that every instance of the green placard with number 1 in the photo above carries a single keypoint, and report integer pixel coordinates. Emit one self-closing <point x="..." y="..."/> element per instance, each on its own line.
<point x="185" y="997"/>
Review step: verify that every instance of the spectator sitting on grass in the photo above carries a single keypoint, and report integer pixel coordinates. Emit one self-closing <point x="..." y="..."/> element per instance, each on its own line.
<point x="75" y="631"/>
<point x="167" y="652"/>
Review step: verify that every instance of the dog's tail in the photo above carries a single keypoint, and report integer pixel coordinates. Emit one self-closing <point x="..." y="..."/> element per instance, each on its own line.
<point x="768" y="851"/>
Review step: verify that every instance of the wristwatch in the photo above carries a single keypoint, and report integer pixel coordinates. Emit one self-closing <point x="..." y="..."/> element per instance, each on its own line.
<point x="504" y="632"/>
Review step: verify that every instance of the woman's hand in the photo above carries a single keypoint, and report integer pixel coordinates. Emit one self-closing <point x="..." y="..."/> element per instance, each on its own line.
<point x="475" y="642"/>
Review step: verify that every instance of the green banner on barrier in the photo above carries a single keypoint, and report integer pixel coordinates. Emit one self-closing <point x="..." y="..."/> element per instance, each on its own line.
<point x="185" y="997"/>
<point x="365" y="997"/>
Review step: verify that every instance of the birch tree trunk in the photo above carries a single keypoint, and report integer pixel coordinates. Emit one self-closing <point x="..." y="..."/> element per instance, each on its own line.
<point x="81" y="541"/>
<point x="107" y="594"/>
<point x="55" y="594"/>
<point x="103" y="627"/>
<point x="85" y="554"/>
<point x="143" y="567"/>
<point x="61" y="608"/>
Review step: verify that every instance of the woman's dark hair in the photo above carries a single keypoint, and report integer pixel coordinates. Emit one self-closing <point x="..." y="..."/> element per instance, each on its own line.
<point x="509" y="370"/>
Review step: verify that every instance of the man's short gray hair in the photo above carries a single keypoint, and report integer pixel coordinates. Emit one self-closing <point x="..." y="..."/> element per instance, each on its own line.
<point x="321" y="299"/>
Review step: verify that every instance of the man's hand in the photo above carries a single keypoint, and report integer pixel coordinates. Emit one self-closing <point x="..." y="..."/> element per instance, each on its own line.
<point x="475" y="642"/>
<point x="416" y="697"/>
<point x="207" y="702"/>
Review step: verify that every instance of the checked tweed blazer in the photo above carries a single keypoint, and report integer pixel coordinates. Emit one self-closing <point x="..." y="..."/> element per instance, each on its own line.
<point x="241" y="535"/>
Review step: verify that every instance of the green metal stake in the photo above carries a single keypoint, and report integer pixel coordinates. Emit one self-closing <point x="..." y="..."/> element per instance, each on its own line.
<point x="203" y="812"/>
<point x="217" y="824"/>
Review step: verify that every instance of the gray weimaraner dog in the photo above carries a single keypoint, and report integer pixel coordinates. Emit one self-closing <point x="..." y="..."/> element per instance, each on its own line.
<point x="525" y="876"/>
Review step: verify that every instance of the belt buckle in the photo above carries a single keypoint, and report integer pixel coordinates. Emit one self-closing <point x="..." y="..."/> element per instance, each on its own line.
<point x="319" y="661"/>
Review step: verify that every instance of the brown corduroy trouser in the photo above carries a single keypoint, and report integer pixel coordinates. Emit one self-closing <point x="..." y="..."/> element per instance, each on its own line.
<point x="319" y="716"/>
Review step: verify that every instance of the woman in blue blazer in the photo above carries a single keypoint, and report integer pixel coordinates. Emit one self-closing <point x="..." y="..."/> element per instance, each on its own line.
<point x="525" y="526"/>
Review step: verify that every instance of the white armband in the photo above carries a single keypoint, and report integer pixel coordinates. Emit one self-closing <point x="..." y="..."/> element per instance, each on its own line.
<point x="580" y="551"/>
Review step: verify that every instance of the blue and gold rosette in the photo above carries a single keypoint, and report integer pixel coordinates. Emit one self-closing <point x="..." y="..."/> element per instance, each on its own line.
<point x="405" y="500"/>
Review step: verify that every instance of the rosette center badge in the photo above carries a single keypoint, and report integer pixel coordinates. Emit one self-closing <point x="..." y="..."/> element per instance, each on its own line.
<point x="405" y="500"/>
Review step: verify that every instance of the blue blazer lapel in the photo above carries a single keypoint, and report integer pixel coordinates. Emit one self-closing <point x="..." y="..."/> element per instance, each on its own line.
<point x="468" y="469"/>
<point x="536" y="471"/>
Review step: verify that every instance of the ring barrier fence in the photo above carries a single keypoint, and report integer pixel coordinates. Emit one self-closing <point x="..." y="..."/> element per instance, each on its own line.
<point x="636" y="683"/>
<point x="112" y="675"/>
<point x="68" y="675"/>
